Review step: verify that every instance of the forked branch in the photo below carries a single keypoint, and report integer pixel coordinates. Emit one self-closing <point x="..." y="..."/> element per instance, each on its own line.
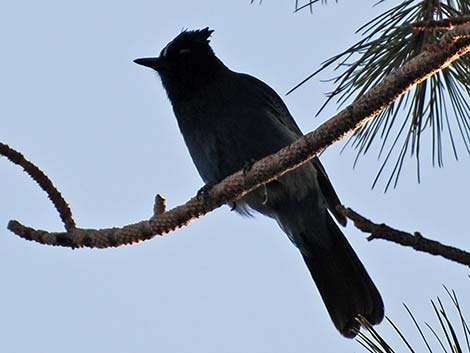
<point x="452" y="46"/>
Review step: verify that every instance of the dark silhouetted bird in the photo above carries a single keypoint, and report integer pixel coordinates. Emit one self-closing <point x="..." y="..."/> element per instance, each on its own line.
<point x="229" y="119"/>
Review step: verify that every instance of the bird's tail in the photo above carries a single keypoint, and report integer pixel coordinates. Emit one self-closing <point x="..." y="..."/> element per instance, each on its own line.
<point x="343" y="282"/>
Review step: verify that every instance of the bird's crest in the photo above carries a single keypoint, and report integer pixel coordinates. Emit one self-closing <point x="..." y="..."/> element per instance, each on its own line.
<point x="188" y="40"/>
<point x="199" y="35"/>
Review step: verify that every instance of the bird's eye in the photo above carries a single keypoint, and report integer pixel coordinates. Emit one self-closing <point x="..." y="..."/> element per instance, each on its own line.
<point x="184" y="51"/>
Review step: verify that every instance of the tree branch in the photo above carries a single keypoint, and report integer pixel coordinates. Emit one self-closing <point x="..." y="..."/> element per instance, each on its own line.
<point x="452" y="46"/>
<point x="415" y="241"/>
<point x="444" y="24"/>
<point x="44" y="182"/>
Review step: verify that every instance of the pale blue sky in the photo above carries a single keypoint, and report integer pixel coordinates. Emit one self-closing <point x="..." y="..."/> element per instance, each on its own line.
<point x="102" y="128"/>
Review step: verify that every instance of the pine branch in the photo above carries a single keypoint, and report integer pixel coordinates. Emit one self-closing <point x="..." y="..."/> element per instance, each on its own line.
<point x="438" y="108"/>
<point x="452" y="46"/>
<point x="440" y="24"/>
<point x="451" y="335"/>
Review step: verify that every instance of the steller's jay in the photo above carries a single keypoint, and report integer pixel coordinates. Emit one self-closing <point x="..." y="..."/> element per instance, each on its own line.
<point x="229" y="119"/>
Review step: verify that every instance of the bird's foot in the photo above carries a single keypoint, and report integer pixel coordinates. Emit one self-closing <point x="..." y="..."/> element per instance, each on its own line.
<point x="203" y="192"/>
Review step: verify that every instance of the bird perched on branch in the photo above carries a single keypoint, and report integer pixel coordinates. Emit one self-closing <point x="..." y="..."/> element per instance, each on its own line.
<point x="229" y="119"/>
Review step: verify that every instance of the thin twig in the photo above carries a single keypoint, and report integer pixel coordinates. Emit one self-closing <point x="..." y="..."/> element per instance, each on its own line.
<point x="415" y="240"/>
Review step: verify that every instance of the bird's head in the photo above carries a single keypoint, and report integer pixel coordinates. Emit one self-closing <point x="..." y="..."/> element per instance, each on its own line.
<point x="186" y="62"/>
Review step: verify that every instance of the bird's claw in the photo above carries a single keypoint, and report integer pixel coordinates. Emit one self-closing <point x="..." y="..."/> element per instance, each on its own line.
<point x="203" y="192"/>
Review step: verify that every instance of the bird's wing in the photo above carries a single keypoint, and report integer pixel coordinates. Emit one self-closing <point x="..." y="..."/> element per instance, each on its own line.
<point x="329" y="192"/>
<point x="272" y="100"/>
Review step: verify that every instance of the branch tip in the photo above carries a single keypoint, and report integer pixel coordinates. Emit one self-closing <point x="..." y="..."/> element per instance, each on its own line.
<point x="44" y="182"/>
<point x="159" y="206"/>
<point x="414" y="240"/>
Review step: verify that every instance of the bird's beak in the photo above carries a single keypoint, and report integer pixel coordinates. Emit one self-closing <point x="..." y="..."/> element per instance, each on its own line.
<point x="153" y="63"/>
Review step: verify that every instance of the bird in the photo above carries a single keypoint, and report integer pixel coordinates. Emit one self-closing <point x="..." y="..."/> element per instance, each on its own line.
<point x="230" y="119"/>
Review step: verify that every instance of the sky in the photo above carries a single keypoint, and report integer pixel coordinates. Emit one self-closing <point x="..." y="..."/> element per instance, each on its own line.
<point x="101" y="127"/>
